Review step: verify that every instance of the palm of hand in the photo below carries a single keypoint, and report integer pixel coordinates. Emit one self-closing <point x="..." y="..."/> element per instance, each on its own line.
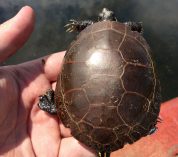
<point x="24" y="125"/>
<point x="26" y="130"/>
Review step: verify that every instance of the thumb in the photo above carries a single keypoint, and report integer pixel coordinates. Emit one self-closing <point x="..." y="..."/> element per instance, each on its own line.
<point x="15" y="32"/>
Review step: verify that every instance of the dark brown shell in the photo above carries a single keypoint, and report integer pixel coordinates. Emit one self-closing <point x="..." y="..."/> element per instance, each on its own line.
<point x="108" y="93"/>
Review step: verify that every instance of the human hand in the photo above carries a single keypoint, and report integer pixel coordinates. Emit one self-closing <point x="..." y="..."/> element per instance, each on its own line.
<point x="25" y="130"/>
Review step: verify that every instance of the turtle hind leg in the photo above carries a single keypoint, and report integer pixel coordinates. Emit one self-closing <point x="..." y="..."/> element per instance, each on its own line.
<point x="104" y="154"/>
<point x="77" y="26"/>
<point x="46" y="102"/>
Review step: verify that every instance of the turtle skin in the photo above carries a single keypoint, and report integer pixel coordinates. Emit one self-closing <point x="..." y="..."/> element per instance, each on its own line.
<point x="108" y="92"/>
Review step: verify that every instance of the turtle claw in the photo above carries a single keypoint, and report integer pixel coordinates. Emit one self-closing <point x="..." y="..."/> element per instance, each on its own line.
<point x="153" y="130"/>
<point x="67" y="25"/>
<point x="77" y="26"/>
<point x="72" y="26"/>
<point x="72" y="20"/>
<point x="71" y="29"/>
<point x="159" y="120"/>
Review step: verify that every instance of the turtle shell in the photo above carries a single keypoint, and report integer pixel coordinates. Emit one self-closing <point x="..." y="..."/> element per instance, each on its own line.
<point x="108" y="93"/>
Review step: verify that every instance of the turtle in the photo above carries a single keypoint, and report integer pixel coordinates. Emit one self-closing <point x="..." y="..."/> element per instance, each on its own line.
<point x="108" y="92"/>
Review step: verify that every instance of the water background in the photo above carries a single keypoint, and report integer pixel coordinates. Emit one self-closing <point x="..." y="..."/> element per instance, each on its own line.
<point x="159" y="17"/>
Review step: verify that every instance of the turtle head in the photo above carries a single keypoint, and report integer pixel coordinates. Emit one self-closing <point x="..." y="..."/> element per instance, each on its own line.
<point x="106" y="14"/>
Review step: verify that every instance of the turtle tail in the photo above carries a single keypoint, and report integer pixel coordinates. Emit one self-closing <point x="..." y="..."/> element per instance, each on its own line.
<point x="104" y="154"/>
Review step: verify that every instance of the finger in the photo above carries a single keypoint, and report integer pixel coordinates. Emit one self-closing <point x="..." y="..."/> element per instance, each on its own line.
<point x="52" y="65"/>
<point x="53" y="85"/>
<point x="65" y="132"/>
<point x="44" y="133"/>
<point x="40" y="73"/>
<point x="15" y="32"/>
<point x="71" y="147"/>
<point x="49" y="66"/>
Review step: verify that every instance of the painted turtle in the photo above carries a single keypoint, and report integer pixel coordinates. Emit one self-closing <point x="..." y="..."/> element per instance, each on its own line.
<point x="108" y="93"/>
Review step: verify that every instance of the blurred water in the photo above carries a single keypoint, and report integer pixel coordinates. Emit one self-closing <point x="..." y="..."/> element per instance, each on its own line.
<point x="159" y="19"/>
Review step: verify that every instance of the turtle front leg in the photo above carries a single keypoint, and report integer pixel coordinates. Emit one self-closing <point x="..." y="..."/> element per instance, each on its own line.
<point x="46" y="102"/>
<point x="78" y="26"/>
<point x="135" y="26"/>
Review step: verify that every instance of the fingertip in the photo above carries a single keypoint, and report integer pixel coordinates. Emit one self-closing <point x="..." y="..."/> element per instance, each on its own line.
<point x="53" y="64"/>
<point x="25" y="17"/>
<point x="16" y="31"/>
<point x="29" y="14"/>
<point x="26" y="7"/>
<point x="24" y="22"/>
